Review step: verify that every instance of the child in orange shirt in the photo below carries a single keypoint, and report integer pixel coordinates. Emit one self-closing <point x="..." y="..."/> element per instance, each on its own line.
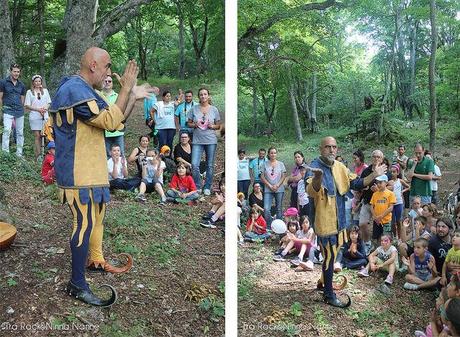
<point x="382" y="203"/>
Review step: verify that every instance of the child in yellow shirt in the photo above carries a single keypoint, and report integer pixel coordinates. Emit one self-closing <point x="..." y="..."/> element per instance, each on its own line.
<point x="452" y="258"/>
<point x="382" y="203"/>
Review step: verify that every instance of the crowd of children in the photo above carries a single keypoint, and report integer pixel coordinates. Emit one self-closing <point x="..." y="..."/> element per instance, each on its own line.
<point x="418" y="242"/>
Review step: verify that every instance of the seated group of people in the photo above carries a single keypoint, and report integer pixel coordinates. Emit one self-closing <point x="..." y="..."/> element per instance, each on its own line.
<point x="420" y="242"/>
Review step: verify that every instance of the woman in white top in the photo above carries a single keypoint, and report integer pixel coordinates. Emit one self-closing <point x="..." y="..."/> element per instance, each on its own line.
<point x="163" y="114"/>
<point x="37" y="102"/>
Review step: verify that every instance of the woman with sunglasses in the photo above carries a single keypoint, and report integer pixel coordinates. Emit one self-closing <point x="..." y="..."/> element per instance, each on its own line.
<point x="273" y="179"/>
<point x="183" y="151"/>
<point x="204" y="118"/>
<point x="37" y="102"/>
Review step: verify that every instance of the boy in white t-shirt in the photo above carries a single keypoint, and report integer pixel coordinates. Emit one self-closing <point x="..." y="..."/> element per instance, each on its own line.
<point x="118" y="171"/>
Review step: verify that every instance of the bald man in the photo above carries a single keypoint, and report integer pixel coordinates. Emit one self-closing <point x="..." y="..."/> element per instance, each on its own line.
<point x="80" y="115"/>
<point x="327" y="183"/>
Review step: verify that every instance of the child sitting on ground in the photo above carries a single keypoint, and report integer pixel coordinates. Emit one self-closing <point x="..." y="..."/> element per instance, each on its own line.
<point x="118" y="171"/>
<point x="217" y="211"/>
<point x="48" y="174"/>
<point x="256" y="227"/>
<point x="182" y="187"/>
<point x="152" y="177"/>
<point x="408" y="237"/>
<point x="353" y="253"/>
<point x="385" y="257"/>
<point x="452" y="258"/>
<point x="422" y="268"/>
<point x="292" y="228"/>
<point x="382" y="202"/>
<point x="302" y="241"/>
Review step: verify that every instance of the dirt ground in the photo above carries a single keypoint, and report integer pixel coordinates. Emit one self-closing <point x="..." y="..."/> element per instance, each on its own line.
<point x="174" y="289"/>
<point x="274" y="300"/>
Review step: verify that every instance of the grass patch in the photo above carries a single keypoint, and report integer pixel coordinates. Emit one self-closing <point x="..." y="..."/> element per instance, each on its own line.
<point x="245" y="285"/>
<point x="164" y="252"/>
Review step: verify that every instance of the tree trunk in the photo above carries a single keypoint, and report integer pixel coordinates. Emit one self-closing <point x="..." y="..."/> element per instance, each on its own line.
<point x="41" y="24"/>
<point x="254" y="108"/>
<point x="6" y="40"/>
<point x="295" y="114"/>
<point x="313" y="123"/>
<point x="198" y="46"/>
<point x="180" y="15"/>
<point x="82" y="31"/>
<point x="431" y="75"/>
<point x="413" y="49"/>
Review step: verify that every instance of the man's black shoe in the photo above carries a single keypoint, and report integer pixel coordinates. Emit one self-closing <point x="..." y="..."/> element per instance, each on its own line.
<point x="335" y="302"/>
<point x="87" y="296"/>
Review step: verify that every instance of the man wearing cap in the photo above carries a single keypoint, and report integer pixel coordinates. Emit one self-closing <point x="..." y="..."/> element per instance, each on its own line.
<point x="48" y="174"/>
<point x="327" y="184"/>
<point x="382" y="203"/>
<point x="12" y="95"/>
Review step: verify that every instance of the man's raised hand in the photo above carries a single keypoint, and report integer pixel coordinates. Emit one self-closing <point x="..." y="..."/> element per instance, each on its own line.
<point x="143" y="90"/>
<point x="129" y="78"/>
<point x="380" y="169"/>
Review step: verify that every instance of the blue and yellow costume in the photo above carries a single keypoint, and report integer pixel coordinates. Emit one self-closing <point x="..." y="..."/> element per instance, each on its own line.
<point x="327" y="213"/>
<point x="80" y="116"/>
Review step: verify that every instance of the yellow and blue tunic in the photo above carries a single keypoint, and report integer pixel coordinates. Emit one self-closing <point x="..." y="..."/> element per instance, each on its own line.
<point x="327" y="212"/>
<point x="80" y="115"/>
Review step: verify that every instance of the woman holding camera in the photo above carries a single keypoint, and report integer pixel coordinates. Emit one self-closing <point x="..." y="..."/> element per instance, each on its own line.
<point x="37" y="102"/>
<point x="139" y="153"/>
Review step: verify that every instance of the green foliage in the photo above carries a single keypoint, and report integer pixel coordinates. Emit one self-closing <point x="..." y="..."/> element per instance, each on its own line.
<point x="115" y="328"/>
<point x="296" y="309"/>
<point x="164" y="252"/>
<point x="15" y="169"/>
<point x="245" y="286"/>
<point x="214" y="306"/>
<point x="11" y="282"/>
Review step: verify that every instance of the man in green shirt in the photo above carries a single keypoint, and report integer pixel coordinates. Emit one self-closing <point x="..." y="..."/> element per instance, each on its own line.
<point x="112" y="137"/>
<point x="420" y="173"/>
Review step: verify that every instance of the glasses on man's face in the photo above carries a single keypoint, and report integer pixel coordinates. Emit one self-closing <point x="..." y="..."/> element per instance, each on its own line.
<point x="109" y="81"/>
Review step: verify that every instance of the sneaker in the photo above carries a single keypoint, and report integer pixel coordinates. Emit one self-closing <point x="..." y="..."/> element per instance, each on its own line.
<point x="141" y="197"/>
<point x="308" y="265"/>
<point x="410" y="286"/>
<point x="403" y="269"/>
<point x="208" y="224"/>
<point x="207" y="191"/>
<point x="363" y="272"/>
<point x="279" y="258"/>
<point x="279" y="251"/>
<point x="207" y="216"/>
<point x="337" y="267"/>
<point x="162" y="203"/>
<point x="296" y="261"/>
<point x="419" y="333"/>
<point x="389" y="280"/>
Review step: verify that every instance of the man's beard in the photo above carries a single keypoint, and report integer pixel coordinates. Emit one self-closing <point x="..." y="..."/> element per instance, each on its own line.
<point x="329" y="159"/>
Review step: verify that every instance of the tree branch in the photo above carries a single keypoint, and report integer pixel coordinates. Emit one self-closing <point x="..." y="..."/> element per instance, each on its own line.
<point x="116" y="19"/>
<point x="253" y="31"/>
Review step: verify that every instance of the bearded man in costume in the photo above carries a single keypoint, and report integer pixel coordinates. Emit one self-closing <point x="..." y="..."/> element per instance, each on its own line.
<point x="328" y="182"/>
<point x="80" y="116"/>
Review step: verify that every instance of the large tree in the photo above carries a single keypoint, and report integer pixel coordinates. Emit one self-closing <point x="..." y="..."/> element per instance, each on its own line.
<point x="83" y="29"/>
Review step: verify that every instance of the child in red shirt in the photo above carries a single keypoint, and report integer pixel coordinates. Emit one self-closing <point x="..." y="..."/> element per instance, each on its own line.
<point x="182" y="187"/>
<point x="256" y="227"/>
<point x="48" y="175"/>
